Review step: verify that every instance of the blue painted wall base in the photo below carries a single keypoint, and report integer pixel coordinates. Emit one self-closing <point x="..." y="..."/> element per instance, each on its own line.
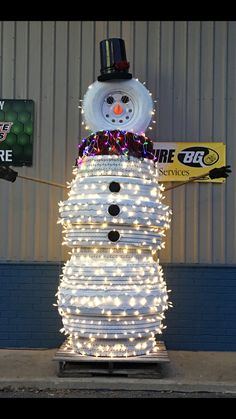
<point x="28" y="318"/>
<point x="203" y="317"/>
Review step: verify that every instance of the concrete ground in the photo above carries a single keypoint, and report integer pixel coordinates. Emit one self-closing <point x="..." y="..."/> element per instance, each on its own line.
<point x="186" y="372"/>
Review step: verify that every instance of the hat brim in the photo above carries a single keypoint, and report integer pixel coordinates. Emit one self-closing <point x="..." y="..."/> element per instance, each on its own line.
<point x="115" y="76"/>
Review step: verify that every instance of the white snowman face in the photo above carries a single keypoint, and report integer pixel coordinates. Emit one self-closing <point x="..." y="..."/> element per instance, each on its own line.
<point x="118" y="108"/>
<point x="121" y="104"/>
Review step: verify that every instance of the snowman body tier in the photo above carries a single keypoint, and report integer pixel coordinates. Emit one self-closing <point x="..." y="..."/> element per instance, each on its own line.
<point x="112" y="295"/>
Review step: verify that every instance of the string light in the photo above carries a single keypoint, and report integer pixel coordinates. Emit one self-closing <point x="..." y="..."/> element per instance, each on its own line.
<point x="116" y="142"/>
<point x="112" y="294"/>
<point x="92" y="86"/>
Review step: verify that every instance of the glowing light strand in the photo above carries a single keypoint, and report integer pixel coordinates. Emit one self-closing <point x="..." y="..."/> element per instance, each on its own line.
<point x="116" y="142"/>
<point x="112" y="296"/>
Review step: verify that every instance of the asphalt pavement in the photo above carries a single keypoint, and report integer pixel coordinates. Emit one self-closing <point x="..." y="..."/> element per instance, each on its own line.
<point x="188" y="374"/>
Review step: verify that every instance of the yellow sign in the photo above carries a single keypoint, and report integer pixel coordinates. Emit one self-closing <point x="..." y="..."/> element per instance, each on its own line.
<point x="178" y="162"/>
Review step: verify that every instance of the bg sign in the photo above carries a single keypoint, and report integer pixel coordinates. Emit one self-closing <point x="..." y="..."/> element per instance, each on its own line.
<point x="16" y="132"/>
<point x="183" y="161"/>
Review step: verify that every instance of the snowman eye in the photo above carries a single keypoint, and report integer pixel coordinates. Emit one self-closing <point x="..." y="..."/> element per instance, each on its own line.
<point x="110" y="100"/>
<point x="125" y="99"/>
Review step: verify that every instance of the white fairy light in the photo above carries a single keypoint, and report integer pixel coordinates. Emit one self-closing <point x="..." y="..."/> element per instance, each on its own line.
<point x="112" y="295"/>
<point x="113" y="281"/>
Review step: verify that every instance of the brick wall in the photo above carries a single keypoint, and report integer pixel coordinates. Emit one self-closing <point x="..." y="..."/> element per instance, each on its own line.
<point x="203" y="316"/>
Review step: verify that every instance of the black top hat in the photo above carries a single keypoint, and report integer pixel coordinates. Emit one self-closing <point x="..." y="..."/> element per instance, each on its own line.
<point x="113" y="60"/>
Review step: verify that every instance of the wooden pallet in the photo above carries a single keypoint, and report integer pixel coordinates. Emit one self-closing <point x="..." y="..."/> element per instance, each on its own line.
<point x="71" y="364"/>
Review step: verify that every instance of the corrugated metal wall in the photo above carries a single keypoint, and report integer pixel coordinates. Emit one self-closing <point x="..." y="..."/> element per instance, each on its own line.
<point x="190" y="67"/>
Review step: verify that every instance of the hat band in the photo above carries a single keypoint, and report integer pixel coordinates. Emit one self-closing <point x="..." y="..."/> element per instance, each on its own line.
<point x="122" y="65"/>
<point x="119" y="66"/>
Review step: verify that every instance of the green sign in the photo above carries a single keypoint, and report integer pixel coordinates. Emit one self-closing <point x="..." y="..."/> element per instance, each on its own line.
<point x="16" y="132"/>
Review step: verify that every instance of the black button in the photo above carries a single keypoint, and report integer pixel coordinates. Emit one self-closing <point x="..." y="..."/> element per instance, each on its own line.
<point x="114" y="187"/>
<point x="114" y="210"/>
<point x="113" y="236"/>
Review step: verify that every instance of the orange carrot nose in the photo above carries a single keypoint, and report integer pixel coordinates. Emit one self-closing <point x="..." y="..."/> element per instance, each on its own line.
<point x="117" y="109"/>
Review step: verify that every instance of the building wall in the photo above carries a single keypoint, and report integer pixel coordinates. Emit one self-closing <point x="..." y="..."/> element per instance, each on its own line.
<point x="190" y="69"/>
<point x="202" y="318"/>
<point x="28" y="318"/>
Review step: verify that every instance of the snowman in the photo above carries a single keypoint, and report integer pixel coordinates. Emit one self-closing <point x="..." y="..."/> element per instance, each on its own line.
<point x="112" y="295"/>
